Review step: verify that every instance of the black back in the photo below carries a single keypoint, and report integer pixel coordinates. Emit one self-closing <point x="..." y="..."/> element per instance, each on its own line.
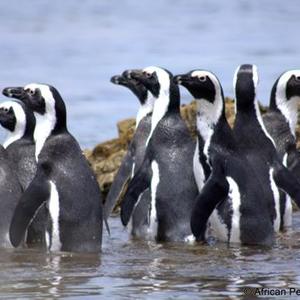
<point x="255" y="142"/>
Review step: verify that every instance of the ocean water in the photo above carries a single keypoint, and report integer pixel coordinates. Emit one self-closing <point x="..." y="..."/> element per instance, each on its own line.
<point x="78" y="45"/>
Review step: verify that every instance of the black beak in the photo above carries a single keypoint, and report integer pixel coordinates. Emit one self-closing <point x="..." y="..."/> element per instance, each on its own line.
<point x="181" y="78"/>
<point x="116" y="79"/>
<point x="14" y="92"/>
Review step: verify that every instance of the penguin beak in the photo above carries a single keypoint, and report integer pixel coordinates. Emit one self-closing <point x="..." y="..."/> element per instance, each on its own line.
<point x="181" y="79"/>
<point x="14" y="92"/>
<point x="117" y="79"/>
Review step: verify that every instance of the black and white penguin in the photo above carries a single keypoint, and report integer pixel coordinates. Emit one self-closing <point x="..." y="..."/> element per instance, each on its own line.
<point x="63" y="179"/>
<point x="280" y="121"/>
<point x="167" y="168"/>
<point x="19" y="121"/>
<point x="252" y="135"/>
<point x="231" y="196"/>
<point x="134" y="157"/>
<point x="10" y="193"/>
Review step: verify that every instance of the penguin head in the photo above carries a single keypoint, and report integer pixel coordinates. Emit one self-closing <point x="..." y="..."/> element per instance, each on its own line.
<point x="245" y="83"/>
<point x="17" y="119"/>
<point x="203" y="85"/>
<point x="44" y="100"/>
<point x="286" y="89"/>
<point x="8" y="115"/>
<point x="135" y="86"/>
<point x="157" y="80"/>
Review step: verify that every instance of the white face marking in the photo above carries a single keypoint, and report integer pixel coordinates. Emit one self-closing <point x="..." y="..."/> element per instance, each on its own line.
<point x="153" y="226"/>
<point x="276" y="196"/>
<point x="289" y="108"/>
<point x="53" y="205"/>
<point x="208" y="113"/>
<point x="198" y="170"/>
<point x="145" y="108"/>
<point x="44" y="123"/>
<point x="234" y="195"/>
<point x="161" y="103"/>
<point x="20" y="122"/>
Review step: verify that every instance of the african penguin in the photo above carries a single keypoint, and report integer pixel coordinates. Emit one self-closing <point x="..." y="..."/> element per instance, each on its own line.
<point x="231" y="195"/>
<point x="167" y="168"/>
<point x="63" y="179"/>
<point x="19" y="122"/>
<point x="258" y="144"/>
<point x="10" y="193"/>
<point x="280" y="122"/>
<point x="134" y="156"/>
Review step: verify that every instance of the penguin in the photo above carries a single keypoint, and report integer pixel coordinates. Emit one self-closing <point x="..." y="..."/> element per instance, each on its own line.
<point x="280" y="121"/>
<point x="19" y="121"/>
<point x="63" y="178"/>
<point x="10" y="193"/>
<point x="134" y="157"/>
<point x="260" y="147"/>
<point x="230" y="199"/>
<point x="167" y="168"/>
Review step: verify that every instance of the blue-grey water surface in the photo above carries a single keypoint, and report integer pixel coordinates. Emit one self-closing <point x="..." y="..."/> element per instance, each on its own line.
<point x="77" y="46"/>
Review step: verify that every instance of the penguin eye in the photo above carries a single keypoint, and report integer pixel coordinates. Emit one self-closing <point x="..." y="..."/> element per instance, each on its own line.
<point x="298" y="78"/>
<point x="5" y="109"/>
<point x="30" y="92"/>
<point x="148" y="75"/>
<point x="202" y="78"/>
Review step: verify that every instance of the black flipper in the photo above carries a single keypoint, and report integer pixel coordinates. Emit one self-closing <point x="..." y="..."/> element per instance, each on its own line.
<point x="286" y="181"/>
<point x="119" y="184"/>
<point x="35" y="195"/>
<point x="214" y="191"/>
<point x="137" y="185"/>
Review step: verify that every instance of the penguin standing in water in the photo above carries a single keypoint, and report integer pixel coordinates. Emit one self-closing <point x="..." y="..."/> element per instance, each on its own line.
<point x="167" y="168"/>
<point x="63" y="179"/>
<point x="10" y="193"/>
<point x="280" y="122"/>
<point x="134" y="157"/>
<point x="259" y="146"/>
<point x="19" y="121"/>
<point x="231" y="197"/>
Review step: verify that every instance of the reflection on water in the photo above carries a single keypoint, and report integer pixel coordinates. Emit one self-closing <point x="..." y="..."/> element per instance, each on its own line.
<point x="132" y="269"/>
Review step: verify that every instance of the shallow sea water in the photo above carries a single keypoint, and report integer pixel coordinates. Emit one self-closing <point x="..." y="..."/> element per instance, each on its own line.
<point x="134" y="269"/>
